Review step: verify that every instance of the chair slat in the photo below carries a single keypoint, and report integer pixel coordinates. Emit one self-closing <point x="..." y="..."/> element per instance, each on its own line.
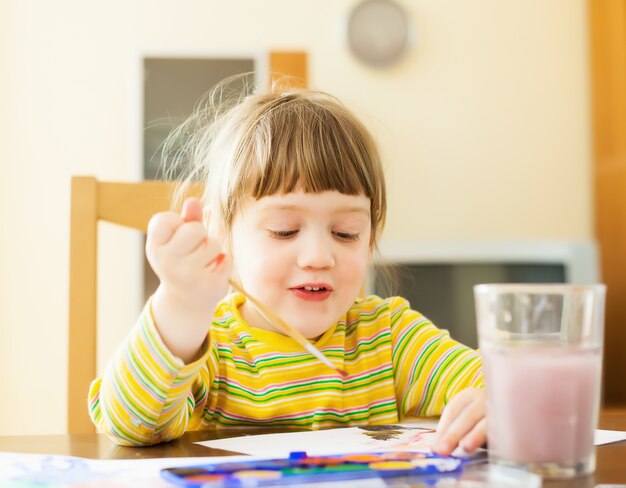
<point x="133" y="204"/>
<point x="129" y="205"/>
<point x="82" y="313"/>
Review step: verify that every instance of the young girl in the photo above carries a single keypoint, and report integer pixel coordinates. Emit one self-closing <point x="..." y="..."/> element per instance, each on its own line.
<point x="296" y="202"/>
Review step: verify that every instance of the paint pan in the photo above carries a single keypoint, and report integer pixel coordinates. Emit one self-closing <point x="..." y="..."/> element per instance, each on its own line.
<point x="300" y="468"/>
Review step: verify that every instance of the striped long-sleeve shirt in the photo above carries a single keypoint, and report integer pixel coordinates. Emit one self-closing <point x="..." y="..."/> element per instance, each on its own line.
<point x="398" y="364"/>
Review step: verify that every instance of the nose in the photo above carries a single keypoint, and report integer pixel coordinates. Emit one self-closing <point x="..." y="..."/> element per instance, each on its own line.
<point x="316" y="252"/>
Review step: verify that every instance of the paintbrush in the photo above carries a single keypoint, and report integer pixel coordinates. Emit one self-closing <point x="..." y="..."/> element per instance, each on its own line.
<point x="277" y="322"/>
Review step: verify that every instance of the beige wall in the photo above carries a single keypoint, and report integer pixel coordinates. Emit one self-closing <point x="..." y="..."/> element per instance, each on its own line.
<point x="484" y="128"/>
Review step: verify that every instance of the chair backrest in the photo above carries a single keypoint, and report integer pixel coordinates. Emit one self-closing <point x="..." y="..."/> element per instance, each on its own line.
<point x="126" y="204"/>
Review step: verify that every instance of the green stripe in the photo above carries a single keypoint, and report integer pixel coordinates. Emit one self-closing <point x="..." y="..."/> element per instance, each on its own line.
<point x="361" y="415"/>
<point x="274" y="361"/>
<point x="94" y="409"/>
<point x="130" y="406"/>
<point x="401" y="344"/>
<point x="155" y="346"/>
<point x="430" y="387"/>
<point x="366" y="317"/>
<point x="312" y="386"/>
<point x="422" y="359"/>
<point x="148" y="381"/>
<point x="363" y="346"/>
<point x="383" y="374"/>
<point x="468" y="364"/>
<point x="275" y="395"/>
<point x="262" y="364"/>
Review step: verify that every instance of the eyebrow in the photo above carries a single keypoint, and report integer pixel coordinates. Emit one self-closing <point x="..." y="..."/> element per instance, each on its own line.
<point x="348" y="209"/>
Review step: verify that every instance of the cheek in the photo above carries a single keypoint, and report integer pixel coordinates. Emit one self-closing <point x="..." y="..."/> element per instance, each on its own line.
<point x="257" y="261"/>
<point x="355" y="264"/>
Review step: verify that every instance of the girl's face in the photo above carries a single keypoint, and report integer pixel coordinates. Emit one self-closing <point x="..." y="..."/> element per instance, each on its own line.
<point x="304" y="255"/>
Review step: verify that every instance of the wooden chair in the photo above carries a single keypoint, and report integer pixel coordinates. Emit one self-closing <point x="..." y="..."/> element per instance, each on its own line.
<point x="129" y="205"/>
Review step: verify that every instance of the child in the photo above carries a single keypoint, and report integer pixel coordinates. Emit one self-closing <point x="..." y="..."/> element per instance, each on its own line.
<point x="296" y="202"/>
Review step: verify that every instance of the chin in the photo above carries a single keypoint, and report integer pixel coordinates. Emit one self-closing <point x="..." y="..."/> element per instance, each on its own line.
<point x="314" y="331"/>
<point x="313" y="324"/>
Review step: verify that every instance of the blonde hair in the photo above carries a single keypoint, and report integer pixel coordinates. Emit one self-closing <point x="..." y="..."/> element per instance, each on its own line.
<point x="268" y="143"/>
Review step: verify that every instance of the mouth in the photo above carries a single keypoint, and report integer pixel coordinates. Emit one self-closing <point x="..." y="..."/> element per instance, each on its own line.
<point x="314" y="287"/>
<point x="316" y="292"/>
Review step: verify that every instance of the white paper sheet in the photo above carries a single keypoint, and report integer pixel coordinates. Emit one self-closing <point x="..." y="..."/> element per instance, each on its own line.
<point x="608" y="436"/>
<point x="411" y="436"/>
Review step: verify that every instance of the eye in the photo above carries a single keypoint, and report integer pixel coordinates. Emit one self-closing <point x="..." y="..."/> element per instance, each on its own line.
<point x="282" y="234"/>
<point x="345" y="236"/>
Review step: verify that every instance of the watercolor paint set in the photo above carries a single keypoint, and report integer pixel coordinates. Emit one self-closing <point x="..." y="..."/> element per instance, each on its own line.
<point x="300" y="468"/>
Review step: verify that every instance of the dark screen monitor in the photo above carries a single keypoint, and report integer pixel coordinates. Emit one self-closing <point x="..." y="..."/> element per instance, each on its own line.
<point x="438" y="279"/>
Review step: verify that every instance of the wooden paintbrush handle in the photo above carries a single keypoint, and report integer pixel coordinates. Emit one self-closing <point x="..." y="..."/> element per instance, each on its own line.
<point x="278" y="323"/>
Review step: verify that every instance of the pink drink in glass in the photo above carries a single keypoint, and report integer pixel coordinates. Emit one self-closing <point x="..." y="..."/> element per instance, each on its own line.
<point x="542" y="406"/>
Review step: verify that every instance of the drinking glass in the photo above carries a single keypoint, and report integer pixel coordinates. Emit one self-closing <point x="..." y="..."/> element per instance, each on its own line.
<point x="541" y="346"/>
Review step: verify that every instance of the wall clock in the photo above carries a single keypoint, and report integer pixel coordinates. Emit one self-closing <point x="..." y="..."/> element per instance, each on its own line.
<point x="379" y="32"/>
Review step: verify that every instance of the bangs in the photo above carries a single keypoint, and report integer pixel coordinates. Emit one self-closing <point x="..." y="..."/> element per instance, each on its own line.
<point x="298" y="144"/>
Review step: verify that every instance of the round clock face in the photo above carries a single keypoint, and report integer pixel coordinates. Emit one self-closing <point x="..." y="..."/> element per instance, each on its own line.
<point x="378" y="32"/>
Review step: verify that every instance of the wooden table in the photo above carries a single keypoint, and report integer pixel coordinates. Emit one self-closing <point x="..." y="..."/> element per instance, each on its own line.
<point x="611" y="458"/>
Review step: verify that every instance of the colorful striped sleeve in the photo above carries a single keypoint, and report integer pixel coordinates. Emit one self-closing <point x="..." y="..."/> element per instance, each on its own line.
<point x="147" y="395"/>
<point x="429" y="367"/>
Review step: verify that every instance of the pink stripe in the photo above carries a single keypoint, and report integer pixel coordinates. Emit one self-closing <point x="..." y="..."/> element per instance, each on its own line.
<point x="402" y="305"/>
<point x="269" y="355"/>
<point x="417" y="355"/>
<point x="157" y="355"/>
<point x="370" y="371"/>
<point x="442" y="358"/>
<point x="367" y="339"/>
<point x="477" y="376"/>
<point x="306" y="412"/>
<point x="413" y="369"/>
<point x="121" y="380"/>
<point x="360" y="318"/>
<point x="434" y="371"/>
<point x="229" y="381"/>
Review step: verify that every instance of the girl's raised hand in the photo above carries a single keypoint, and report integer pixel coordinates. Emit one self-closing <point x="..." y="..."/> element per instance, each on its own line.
<point x="194" y="277"/>
<point x="462" y="423"/>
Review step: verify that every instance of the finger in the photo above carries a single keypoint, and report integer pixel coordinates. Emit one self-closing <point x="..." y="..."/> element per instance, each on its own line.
<point x="161" y="228"/>
<point x="459" y="428"/>
<point x="452" y="410"/>
<point x="192" y="210"/>
<point x="188" y="238"/>
<point x="476" y="437"/>
<point x="207" y="255"/>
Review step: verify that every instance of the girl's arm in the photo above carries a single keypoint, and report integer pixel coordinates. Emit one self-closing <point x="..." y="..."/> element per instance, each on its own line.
<point x="193" y="274"/>
<point x="429" y="367"/>
<point x="147" y="395"/>
<point x="435" y="375"/>
<point x="159" y="378"/>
